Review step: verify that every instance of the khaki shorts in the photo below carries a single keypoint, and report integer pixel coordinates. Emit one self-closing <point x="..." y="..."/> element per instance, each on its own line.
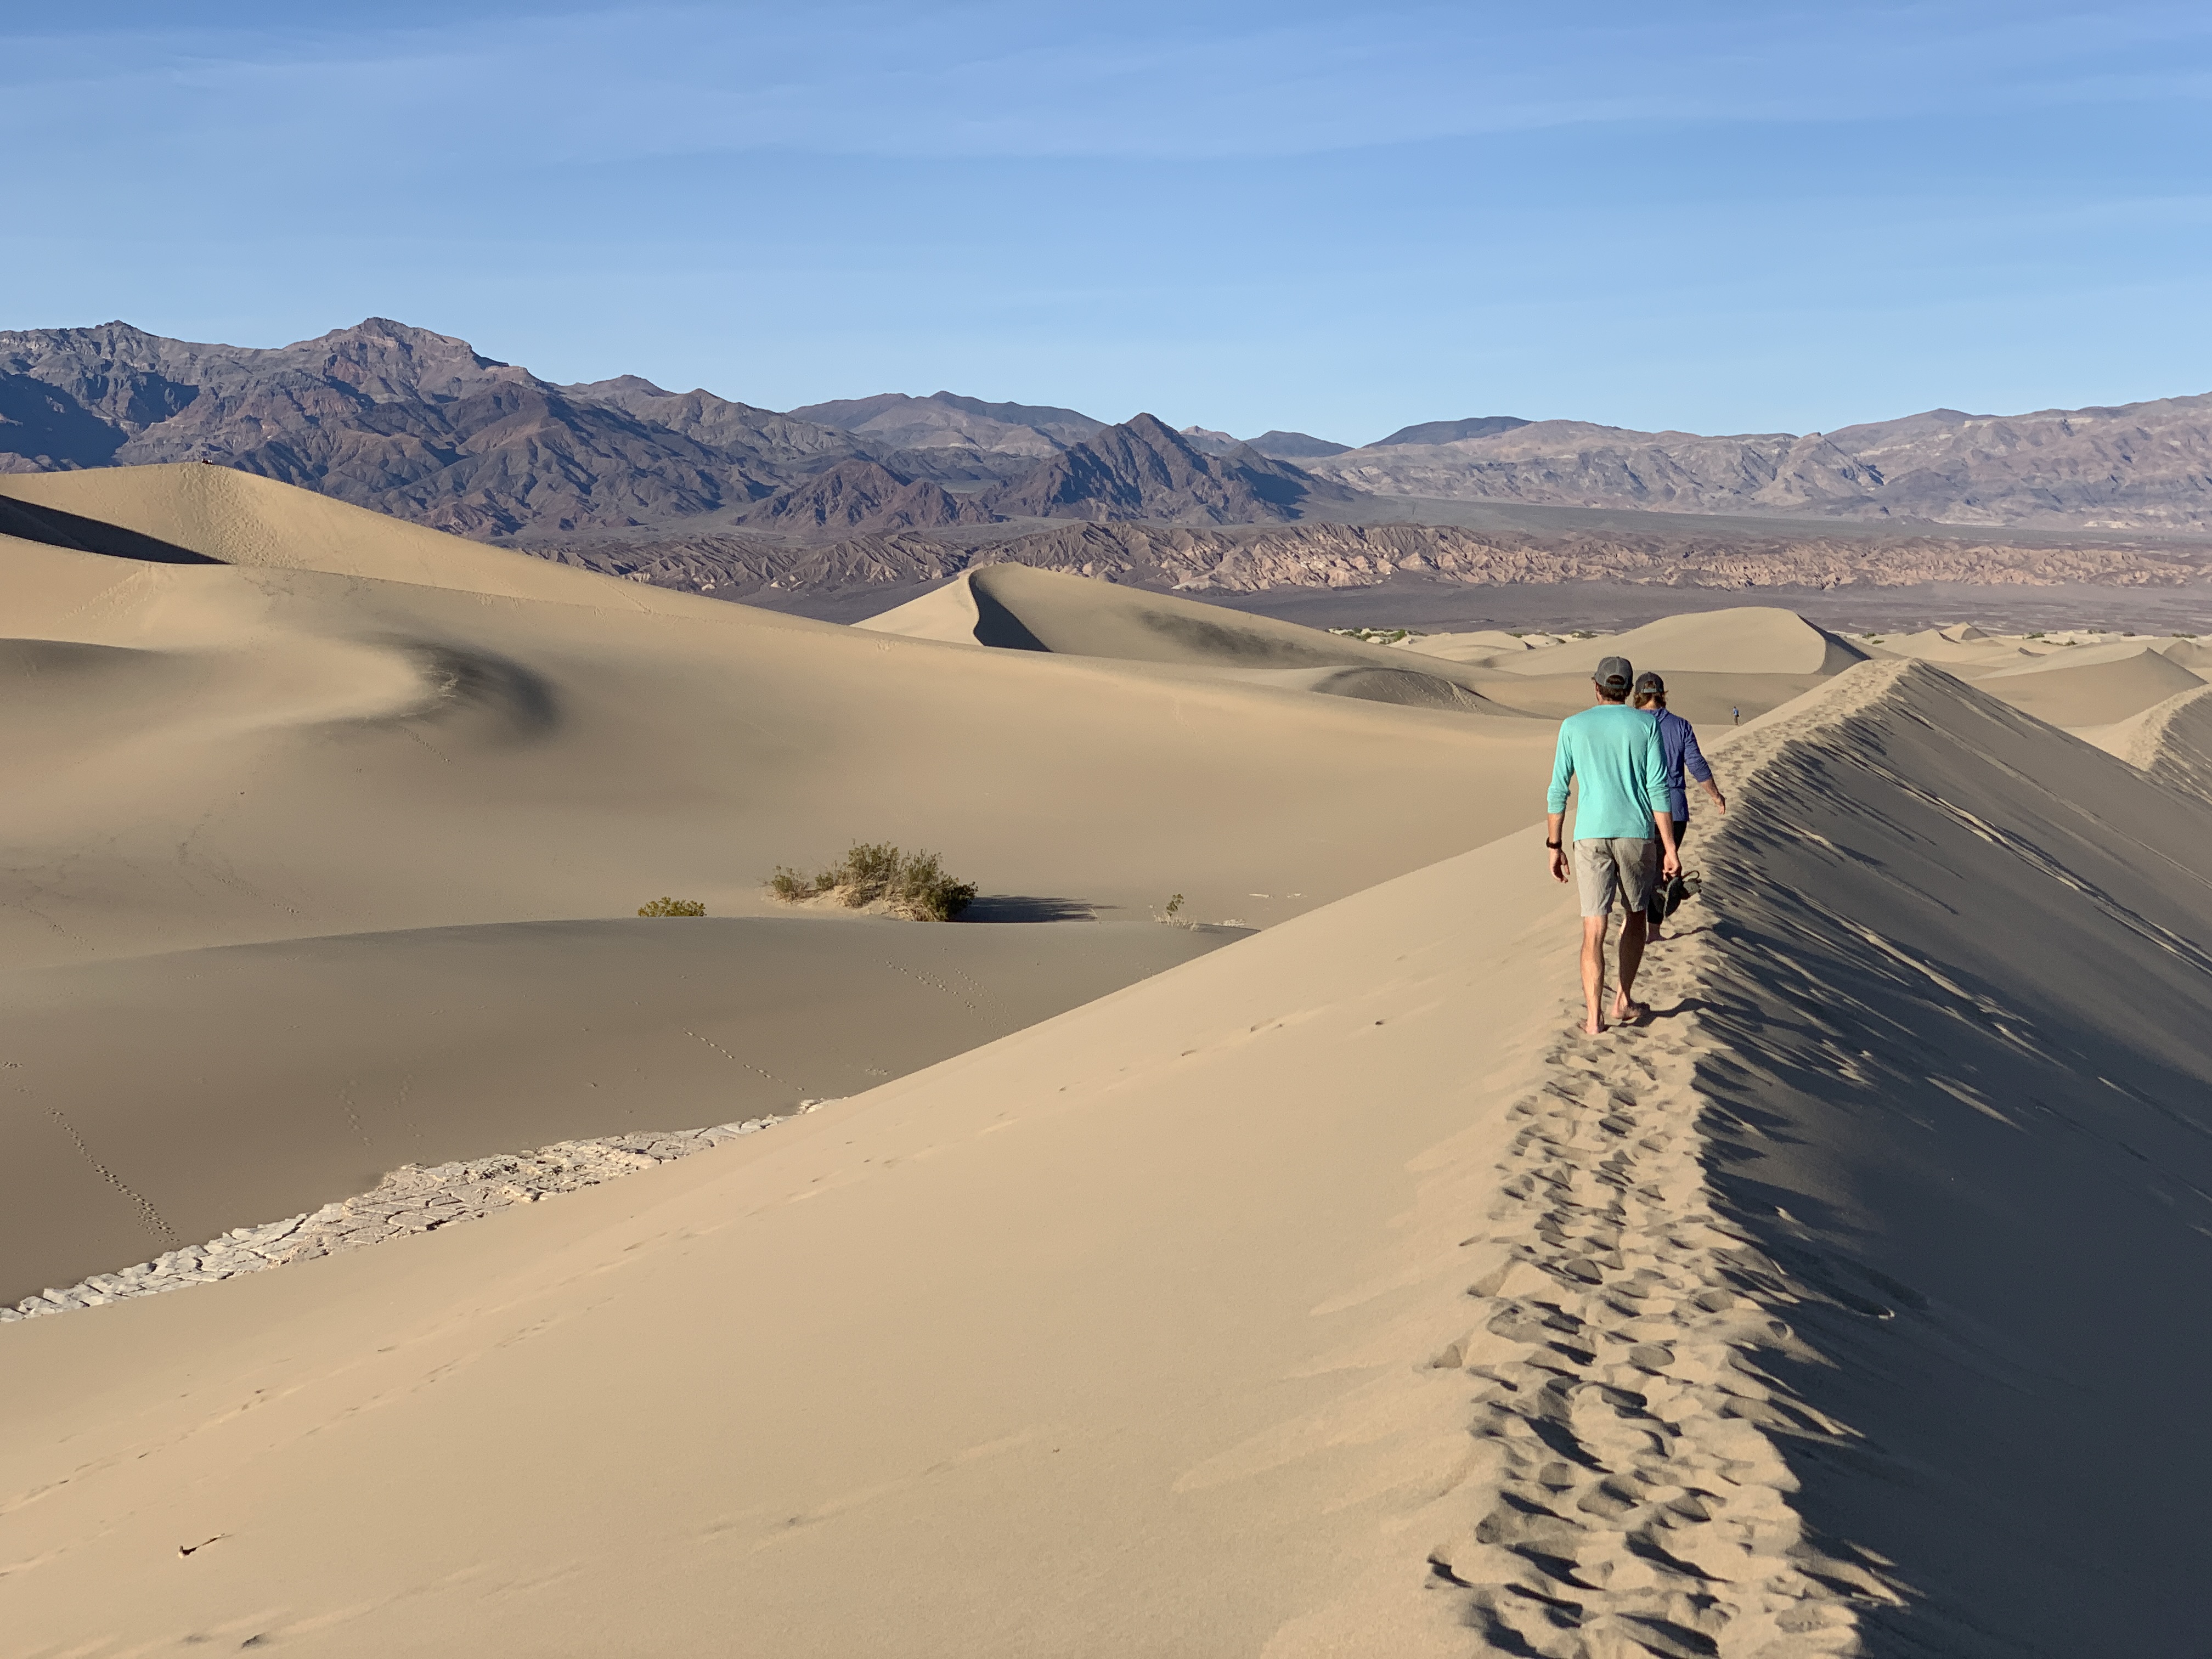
<point x="1599" y="864"/>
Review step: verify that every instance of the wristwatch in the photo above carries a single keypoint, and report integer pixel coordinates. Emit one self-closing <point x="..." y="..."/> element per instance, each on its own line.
<point x="1552" y="845"/>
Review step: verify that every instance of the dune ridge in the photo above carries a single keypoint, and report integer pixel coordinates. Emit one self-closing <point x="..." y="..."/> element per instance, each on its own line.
<point x="2172" y="742"/>
<point x="1824" y="1313"/>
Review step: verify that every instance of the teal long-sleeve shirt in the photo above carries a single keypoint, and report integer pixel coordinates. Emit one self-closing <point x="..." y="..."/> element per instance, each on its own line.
<point x="1612" y="751"/>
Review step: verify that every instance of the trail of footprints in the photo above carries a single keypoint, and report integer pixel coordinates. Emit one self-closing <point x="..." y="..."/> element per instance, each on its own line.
<point x="1642" y="1506"/>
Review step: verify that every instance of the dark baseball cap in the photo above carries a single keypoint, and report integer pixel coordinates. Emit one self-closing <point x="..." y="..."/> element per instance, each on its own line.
<point x="1615" y="674"/>
<point x="1648" y="681"/>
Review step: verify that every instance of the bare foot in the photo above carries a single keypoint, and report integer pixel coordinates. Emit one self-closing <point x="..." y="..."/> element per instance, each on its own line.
<point x="1626" y="1013"/>
<point x="1593" y="1026"/>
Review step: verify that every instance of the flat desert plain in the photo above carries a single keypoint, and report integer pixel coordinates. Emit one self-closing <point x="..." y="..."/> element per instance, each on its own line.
<point x="1074" y="1280"/>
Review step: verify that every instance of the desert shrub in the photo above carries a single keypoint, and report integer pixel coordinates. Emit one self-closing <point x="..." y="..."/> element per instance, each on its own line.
<point x="923" y="890"/>
<point x="672" y="907"/>
<point x="870" y="872"/>
<point x="915" y="885"/>
<point x="791" y="886"/>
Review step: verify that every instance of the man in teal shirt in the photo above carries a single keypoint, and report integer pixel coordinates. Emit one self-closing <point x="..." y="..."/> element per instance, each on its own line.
<point x="1612" y="753"/>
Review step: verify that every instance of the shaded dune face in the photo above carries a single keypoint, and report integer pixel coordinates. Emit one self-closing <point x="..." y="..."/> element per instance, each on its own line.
<point x="1957" y="991"/>
<point x="486" y="696"/>
<point x="52" y="525"/>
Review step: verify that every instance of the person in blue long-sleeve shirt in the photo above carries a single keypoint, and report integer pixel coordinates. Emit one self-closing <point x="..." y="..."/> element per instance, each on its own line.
<point x="1679" y="752"/>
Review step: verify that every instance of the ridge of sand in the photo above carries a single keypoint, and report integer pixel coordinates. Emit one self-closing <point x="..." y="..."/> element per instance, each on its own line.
<point x="2089" y="694"/>
<point x="1012" y="606"/>
<point x="1017" y="607"/>
<point x="2172" y="742"/>
<point x="242" y="519"/>
<point x="1748" y="640"/>
<point x="1479" y="646"/>
<point x="1768" y="1296"/>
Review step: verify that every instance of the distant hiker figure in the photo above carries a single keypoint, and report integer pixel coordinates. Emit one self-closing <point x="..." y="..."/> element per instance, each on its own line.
<point x="1678" y="747"/>
<point x="1624" y="833"/>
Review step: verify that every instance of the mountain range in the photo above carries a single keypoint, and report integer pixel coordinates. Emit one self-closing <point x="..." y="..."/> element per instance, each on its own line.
<point x="422" y="426"/>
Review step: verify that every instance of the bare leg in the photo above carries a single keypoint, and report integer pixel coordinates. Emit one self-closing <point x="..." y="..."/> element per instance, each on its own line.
<point x="1625" y="1006"/>
<point x="1594" y="972"/>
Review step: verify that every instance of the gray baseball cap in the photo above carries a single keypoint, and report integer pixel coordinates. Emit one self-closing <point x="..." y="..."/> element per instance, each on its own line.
<point x="1616" y="675"/>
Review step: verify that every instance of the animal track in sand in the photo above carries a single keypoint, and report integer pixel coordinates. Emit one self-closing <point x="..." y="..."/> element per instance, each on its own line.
<point x="1641" y="1503"/>
<point x="408" y="1200"/>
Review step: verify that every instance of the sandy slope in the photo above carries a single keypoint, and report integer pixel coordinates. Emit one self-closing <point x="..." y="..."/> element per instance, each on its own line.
<point x="2171" y="741"/>
<point x="368" y="738"/>
<point x="1326" y="1294"/>
<point x="2065" y="693"/>
<point x="1011" y="606"/>
<point x="1719" y="664"/>
<point x="1749" y="639"/>
<point x="1122" y="1293"/>
<point x="260" y="1080"/>
<point x="1014" y="607"/>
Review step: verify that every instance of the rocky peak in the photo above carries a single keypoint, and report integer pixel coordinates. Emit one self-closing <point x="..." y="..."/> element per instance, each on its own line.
<point x="1144" y="469"/>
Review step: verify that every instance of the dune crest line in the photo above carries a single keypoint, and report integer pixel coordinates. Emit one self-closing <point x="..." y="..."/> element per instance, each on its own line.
<point x="1640" y="1502"/>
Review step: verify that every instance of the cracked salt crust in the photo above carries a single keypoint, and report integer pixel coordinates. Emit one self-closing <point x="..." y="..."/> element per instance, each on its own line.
<point x="408" y="1200"/>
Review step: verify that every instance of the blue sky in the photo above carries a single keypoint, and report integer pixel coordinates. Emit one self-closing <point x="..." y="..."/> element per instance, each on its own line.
<point x="1334" y="218"/>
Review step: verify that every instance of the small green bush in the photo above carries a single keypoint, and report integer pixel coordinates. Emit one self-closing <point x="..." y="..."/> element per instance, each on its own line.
<point x="915" y="885"/>
<point x="789" y="885"/>
<point x="672" y="907"/>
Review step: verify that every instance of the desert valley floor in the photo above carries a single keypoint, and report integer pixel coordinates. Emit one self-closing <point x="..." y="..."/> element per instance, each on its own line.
<point x="1222" y="1243"/>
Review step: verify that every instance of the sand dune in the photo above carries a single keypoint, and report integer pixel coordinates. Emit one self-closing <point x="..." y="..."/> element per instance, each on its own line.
<point x="210" y="754"/>
<point x="2171" y="741"/>
<point x="239" y="518"/>
<point x="260" y="1080"/>
<point x="1715" y="661"/>
<point x="2094" y="693"/>
<point x="2086" y="688"/>
<point x="1013" y="606"/>
<point x="1750" y="639"/>
<point x="1705" y="699"/>
<point x="1326" y="1294"/>
<point x="1478" y="647"/>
